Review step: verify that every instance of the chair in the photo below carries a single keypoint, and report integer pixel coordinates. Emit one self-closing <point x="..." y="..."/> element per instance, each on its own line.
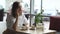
<point x="55" y="23"/>
<point x="1" y="14"/>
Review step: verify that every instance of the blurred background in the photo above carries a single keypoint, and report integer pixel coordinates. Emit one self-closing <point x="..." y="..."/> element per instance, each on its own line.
<point x="40" y="10"/>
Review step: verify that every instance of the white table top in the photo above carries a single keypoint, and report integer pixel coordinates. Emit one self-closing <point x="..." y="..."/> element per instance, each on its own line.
<point x="37" y="31"/>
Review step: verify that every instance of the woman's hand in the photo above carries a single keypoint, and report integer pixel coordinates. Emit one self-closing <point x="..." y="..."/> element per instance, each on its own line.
<point x="15" y="24"/>
<point x="17" y="13"/>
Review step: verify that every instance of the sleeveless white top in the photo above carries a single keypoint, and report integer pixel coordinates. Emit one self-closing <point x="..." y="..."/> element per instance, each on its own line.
<point x="11" y="20"/>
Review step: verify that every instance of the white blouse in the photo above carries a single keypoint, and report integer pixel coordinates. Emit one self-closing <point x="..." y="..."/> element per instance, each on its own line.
<point x="11" y="20"/>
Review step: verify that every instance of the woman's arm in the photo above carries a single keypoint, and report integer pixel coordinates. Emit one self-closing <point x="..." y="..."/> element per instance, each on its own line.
<point x="15" y="24"/>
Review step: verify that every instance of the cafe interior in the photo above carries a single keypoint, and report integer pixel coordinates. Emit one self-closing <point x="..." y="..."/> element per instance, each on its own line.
<point x="43" y="16"/>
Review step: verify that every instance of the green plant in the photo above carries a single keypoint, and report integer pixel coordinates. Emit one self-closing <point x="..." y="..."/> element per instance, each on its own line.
<point x="38" y="17"/>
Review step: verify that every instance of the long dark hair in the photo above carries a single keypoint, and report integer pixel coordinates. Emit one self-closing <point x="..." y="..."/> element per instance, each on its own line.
<point x="15" y="6"/>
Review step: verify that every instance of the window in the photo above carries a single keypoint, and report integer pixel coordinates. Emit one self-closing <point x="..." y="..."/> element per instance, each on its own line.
<point x="2" y="3"/>
<point x="50" y="6"/>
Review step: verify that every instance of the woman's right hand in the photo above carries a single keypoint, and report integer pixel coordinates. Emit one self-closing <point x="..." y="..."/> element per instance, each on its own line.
<point x="17" y="14"/>
<point x="15" y="24"/>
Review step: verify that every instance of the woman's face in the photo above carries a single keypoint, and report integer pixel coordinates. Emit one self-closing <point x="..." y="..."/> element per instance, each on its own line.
<point x="19" y="11"/>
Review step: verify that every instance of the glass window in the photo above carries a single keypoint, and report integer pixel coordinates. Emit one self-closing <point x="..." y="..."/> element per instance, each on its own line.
<point x="2" y="3"/>
<point x="50" y="6"/>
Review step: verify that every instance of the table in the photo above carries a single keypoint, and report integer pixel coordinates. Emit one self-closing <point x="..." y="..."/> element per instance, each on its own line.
<point x="38" y="31"/>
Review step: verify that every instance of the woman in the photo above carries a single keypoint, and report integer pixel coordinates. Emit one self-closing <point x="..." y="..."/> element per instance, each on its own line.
<point x="16" y="19"/>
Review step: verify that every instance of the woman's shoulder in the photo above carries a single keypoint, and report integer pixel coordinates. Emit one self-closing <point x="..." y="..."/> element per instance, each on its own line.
<point x="9" y="15"/>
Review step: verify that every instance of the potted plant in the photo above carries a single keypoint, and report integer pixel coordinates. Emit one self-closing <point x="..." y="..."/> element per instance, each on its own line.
<point x="38" y="20"/>
<point x="38" y="17"/>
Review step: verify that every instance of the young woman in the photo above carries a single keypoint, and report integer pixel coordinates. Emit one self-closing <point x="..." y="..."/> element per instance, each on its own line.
<point x="16" y="19"/>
